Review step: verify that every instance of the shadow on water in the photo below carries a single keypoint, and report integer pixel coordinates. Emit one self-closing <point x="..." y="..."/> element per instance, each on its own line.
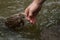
<point x="47" y="27"/>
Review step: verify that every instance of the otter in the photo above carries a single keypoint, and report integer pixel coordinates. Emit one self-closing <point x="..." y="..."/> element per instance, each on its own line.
<point x="15" y="21"/>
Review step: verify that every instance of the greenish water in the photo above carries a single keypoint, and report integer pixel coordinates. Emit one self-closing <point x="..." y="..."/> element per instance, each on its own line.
<point x="46" y="28"/>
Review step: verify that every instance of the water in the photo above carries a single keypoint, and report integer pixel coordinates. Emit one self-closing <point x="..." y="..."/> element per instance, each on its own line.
<point x="46" y="28"/>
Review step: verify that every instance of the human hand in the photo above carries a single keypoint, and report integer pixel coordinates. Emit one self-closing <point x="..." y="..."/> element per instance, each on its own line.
<point x="31" y="12"/>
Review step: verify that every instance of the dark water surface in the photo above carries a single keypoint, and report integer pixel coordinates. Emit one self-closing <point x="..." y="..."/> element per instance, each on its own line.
<point x="47" y="27"/>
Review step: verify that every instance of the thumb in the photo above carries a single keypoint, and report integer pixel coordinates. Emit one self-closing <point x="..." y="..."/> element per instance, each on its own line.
<point x="30" y="13"/>
<point x="27" y="12"/>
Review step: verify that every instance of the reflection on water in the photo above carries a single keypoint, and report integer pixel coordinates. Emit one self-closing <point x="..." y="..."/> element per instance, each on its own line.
<point x="47" y="27"/>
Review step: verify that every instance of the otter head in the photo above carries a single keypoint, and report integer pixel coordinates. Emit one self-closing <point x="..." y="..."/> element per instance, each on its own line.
<point x="15" y="21"/>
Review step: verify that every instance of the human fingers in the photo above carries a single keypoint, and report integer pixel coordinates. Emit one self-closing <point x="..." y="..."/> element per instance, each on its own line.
<point x="32" y="20"/>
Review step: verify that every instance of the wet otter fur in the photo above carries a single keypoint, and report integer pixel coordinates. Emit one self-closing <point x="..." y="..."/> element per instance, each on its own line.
<point x="15" y="21"/>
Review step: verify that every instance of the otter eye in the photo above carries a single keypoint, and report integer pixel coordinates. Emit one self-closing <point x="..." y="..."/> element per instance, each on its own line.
<point x="23" y="17"/>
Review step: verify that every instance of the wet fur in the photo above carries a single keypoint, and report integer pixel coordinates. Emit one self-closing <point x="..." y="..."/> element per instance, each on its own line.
<point x="15" y="21"/>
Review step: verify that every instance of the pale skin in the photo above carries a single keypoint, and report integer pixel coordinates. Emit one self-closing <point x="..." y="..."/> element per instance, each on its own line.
<point x="32" y="10"/>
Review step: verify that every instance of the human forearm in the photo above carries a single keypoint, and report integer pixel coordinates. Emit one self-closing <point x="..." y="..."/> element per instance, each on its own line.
<point x="39" y="1"/>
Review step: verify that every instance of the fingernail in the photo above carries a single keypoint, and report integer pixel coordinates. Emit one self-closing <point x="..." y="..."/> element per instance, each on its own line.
<point x="33" y="22"/>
